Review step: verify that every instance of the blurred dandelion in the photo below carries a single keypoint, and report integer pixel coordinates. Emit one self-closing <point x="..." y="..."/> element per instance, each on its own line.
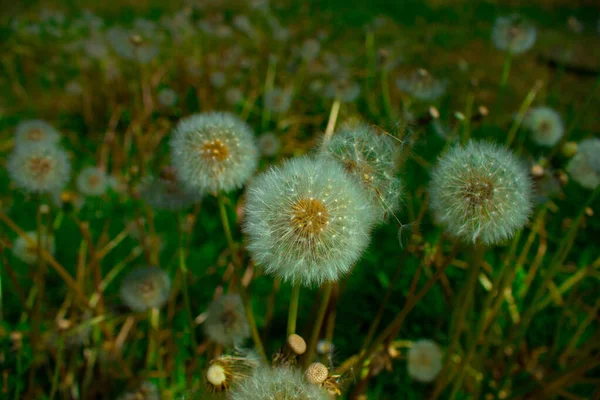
<point x="584" y="167"/>
<point x="546" y="126"/>
<point x="424" y="360"/>
<point x="39" y="167"/>
<point x="218" y="79"/>
<point x="310" y="49"/>
<point x="344" y="89"/>
<point x="36" y="131"/>
<point x="422" y="85"/>
<point x="28" y="253"/>
<point x="92" y="181"/>
<point x="481" y="192"/>
<point x="213" y="152"/>
<point x="226" y="321"/>
<point x="307" y="221"/>
<point x="145" y="288"/>
<point x="167" y="97"/>
<point x="165" y="192"/>
<point x="278" y="100"/>
<point x="513" y="34"/>
<point x="268" y="144"/>
<point x="146" y="391"/>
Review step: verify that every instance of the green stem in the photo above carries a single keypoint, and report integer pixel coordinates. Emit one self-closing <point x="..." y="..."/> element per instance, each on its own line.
<point x="59" y="360"/>
<point x="293" y="310"/>
<point x="185" y="286"/>
<point x="506" y="69"/>
<point x="314" y="337"/>
<point x="521" y="115"/>
<point x="225" y="221"/>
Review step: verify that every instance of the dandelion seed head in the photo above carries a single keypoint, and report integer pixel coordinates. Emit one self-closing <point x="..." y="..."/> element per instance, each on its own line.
<point x="92" y="181"/>
<point x="307" y="221"/>
<point x="424" y="360"/>
<point x="213" y="152"/>
<point x="226" y="321"/>
<point x="165" y="192"/>
<point x="36" y="131"/>
<point x="421" y="85"/>
<point x="28" y="253"/>
<point x="38" y="167"/>
<point x="545" y="125"/>
<point x="317" y="373"/>
<point x="584" y="167"/>
<point x="145" y="288"/>
<point x="278" y="100"/>
<point x="514" y="34"/>
<point x="268" y="144"/>
<point x="481" y="192"/>
<point x="167" y="97"/>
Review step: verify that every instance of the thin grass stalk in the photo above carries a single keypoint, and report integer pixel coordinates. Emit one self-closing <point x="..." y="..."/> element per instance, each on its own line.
<point x="185" y="285"/>
<point x="521" y="114"/>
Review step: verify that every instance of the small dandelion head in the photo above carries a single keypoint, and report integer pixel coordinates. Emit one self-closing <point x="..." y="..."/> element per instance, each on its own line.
<point x="226" y="321"/>
<point x="545" y="125"/>
<point x="278" y="100"/>
<point x="268" y="144"/>
<point x="310" y="49"/>
<point x="421" y="85"/>
<point x="145" y="288"/>
<point x="37" y="167"/>
<point x="296" y="344"/>
<point x="513" y="34"/>
<point x="481" y="193"/>
<point x="167" y="97"/>
<point x="26" y="250"/>
<point x="228" y="370"/>
<point x="584" y="167"/>
<point x="281" y="383"/>
<point x="424" y="360"/>
<point x="165" y="192"/>
<point x="317" y="373"/>
<point x="307" y="221"/>
<point x="344" y="89"/>
<point x="92" y="181"/>
<point x="213" y="152"/>
<point x="371" y="159"/>
<point x="36" y="131"/>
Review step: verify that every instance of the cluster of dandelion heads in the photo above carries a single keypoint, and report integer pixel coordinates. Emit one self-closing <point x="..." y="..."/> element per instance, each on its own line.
<point x="26" y="250"/>
<point x="307" y="221"/>
<point x="213" y="152"/>
<point x="92" y="181"/>
<point x="226" y="321"/>
<point x="145" y="288"/>
<point x="481" y="192"/>
<point x="424" y="360"/>
<point x="421" y="85"/>
<point x="584" y="167"/>
<point x="227" y="370"/>
<point x="165" y="191"/>
<point x="277" y="383"/>
<point x="36" y="131"/>
<point x="38" y="167"/>
<point x="513" y="34"/>
<point x="371" y="159"/>
<point x="545" y="126"/>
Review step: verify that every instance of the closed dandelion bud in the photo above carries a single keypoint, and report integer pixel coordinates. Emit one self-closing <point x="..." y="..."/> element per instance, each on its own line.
<point x="422" y="85"/>
<point x="226" y="321"/>
<point x="513" y="34"/>
<point x="92" y="181"/>
<point x="213" y="152"/>
<point x="27" y="250"/>
<point x="165" y="192"/>
<point x="545" y="125"/>
<point x="584" y="167"/>
<point x="317" y="373"/>
<point x="145" y="288"/>
<point x="37" y="167"/>
<point x="307" y="221"/>
<point x="370" y="158"/>
<point x="294" y="346"/>
<point x="277" y="383"/>
<point x="227" y="370"/>
<point x="36" y="131"/>
<point x="481" y="193"/>
<point x="424" y="360"/>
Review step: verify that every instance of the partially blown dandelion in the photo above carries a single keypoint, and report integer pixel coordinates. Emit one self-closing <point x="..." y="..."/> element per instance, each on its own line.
<point x="546" y="126"/>
<point x="481" y="192"/>
<point x="38" y="167"/>
<point x="226" y="321"/>
<point x="213" y="152"/>
<point x="92" y="181"/>
<point x="36" y="131"/>
<point x="424" y="360"/>
<point x="307" y="221"/>
<point x="228" y="370"/>
<point x="277" y="383"/>
<point x="371" y="159"/>
<point x="145" y="288"/>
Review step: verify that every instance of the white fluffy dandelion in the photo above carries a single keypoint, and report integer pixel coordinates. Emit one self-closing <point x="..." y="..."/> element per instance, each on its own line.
<point x="584" y="167"/>
<point x="92" y="181"/>
<point x="145" y="288"/>
<point x="36" y="131"/>
<point x="546" y="126"/>
<point x="513" y="34"/>
<point x="307" y="221"/>
<point x="27" y="250"/>
<point x="226" y="321"/>
<point x="422" y="85"/>
<point x="424" y="360"/>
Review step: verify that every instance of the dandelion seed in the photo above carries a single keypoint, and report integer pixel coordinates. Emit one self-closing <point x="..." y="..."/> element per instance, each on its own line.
<point x="145" y="288"/>
<point x="481" y="192"/>
<point x="36" y="131"/>
<point x="424" y="360"/>
<point x="513" y="34"/>
<point x="165" y="192"/>
<point x="584" y="167"/>
<point x="38" y="167"/>
<point x="28" y="253"/>
<point x="277" y="383"/>
<point x="307" y="221"/>
<point x="422" y="85"/>
<point x="546" y="126"/>
<point x="92" y="181"/>
<point x="226" y="321"/>
<point x="213" y="152"/>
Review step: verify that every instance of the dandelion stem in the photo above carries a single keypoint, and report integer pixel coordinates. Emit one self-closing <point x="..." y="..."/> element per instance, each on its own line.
<point x="333" y="114"/>
<point x="184" y="284"/>
<point x="506" y="69"/>
<point x="521" y="115"/>
<point x="314" y="337"/>
<point x="293" y="310"/>
<point x="225" y="221"/>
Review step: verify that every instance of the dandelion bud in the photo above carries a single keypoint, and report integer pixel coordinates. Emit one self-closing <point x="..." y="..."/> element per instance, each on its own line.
<point x="424" y="360"/>
<point x="36" y="131"/>
<point x="307" y="221"/>
<point x="295" y="346"/>
<point x="226" y="321"/>
<point x="213" y="152"/>
<point x="569" y="149"/>
<point x="92" y="181"/>
<point x="584" y="167"/>
<point x="481" y="192"/>
<point x="38" y="167"/>
<point x="317" y="373"/>
<point x="145" y="288"/>
<point x="545" y="125"/>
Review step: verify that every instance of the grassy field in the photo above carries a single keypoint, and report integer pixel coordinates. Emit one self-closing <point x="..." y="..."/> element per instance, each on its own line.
<point x="516" y="318"/>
